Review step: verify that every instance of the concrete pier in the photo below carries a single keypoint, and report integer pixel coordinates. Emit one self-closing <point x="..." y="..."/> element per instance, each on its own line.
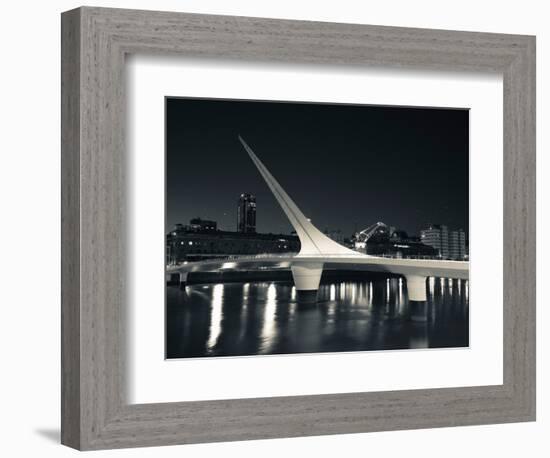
<point x="418" y="307"/>
<point x="307" y="277"/>
<point x="416" y="287"/>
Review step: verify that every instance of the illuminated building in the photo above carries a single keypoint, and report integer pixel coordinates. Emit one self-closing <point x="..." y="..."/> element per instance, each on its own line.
<point x="246" y="214"/>
<point x="193" y="243"/>
<point x="449" y="244"/>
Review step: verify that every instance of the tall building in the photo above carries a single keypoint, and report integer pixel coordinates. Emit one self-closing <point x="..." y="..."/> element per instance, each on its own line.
<point x="449" y="244"/>
<point x="246" y="214"/>
<point x="436" y="236"/>
<point x="457" y="244"/>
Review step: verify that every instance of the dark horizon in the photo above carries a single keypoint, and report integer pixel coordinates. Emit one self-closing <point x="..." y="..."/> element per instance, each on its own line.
<point x="345" y="166"/>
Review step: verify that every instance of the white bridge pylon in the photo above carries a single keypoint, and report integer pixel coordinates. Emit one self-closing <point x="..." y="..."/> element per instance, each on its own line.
<point x="313" y="241"/>
<point x="306" y="274"/>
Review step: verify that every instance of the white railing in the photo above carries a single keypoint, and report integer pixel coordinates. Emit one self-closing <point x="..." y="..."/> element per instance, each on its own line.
<point x="237" y="257"/>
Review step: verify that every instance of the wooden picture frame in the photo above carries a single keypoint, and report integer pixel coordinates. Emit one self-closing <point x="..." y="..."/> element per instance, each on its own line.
<point x="95" y="412"/>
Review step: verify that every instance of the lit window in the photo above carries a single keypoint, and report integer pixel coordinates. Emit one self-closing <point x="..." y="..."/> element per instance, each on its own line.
<point x="190" y="243"/>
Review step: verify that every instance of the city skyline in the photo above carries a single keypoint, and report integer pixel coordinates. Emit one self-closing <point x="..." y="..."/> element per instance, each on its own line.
<point x="345" y="177"/>
<point x="292" y="231"/>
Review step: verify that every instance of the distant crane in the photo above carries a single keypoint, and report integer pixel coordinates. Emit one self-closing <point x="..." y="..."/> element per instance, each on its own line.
<point x="362" y="237"/>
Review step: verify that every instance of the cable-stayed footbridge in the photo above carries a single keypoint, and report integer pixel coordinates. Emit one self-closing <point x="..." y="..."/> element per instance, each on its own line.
<point x="319" y="252"/>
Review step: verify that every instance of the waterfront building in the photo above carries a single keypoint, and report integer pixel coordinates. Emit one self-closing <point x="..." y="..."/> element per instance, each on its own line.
<point x="436" y="236"/>
<point x="195" y="242"/>
<point x="246" y="213"/>
<point x="402" y="248"/>
<point x="457" y="244"/>
<point x="451" y="244"/>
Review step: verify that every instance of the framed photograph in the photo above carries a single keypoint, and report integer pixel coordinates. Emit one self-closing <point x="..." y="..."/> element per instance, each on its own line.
<point x="249" y="284"/>
<point x="277" y="228"/>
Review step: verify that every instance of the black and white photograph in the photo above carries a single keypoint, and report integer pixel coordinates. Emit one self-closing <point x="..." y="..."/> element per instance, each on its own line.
<point x="296" y="227"/>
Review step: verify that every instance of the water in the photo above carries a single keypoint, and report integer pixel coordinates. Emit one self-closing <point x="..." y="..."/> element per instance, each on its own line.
<point x="235" y="319"/>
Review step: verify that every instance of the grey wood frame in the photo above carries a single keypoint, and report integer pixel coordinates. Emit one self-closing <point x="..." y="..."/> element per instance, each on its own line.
<point x="95" y="413"/>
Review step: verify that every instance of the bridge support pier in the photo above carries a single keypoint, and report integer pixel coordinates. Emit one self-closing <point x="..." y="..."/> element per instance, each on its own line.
<point x="416" y="288"/>
<point x="183" y="279"/>
<point x="307" y="277"/>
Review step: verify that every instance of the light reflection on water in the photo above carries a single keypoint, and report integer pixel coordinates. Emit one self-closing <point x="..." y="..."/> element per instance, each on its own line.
<point x="270" y="311"/>
<point x="216" y="316"/>
<point x="254" y="318"/>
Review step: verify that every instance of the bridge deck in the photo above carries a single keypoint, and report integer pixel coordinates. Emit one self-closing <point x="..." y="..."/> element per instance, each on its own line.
<point x="421" y="267"/>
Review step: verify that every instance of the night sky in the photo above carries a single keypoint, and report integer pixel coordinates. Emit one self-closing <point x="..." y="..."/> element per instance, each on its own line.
<point x="345" y="166"/>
